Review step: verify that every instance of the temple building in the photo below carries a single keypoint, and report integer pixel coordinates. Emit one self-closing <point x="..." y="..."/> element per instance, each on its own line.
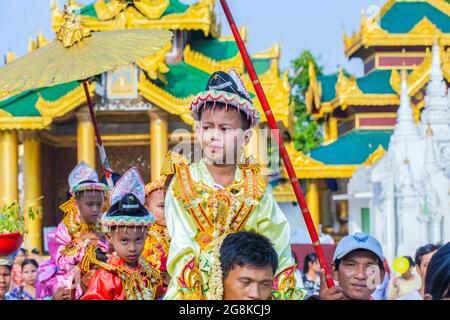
<point x="142" y="109"/>
<point x="406" y="195"/>
<point x="359" y="114"/>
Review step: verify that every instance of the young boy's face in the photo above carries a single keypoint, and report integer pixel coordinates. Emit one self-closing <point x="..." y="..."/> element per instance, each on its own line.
<point x="248" y="283"/>
<point x="155" y="204"/>
<point x="90" y="204"/>
<point x="129" y="243"/>
<point x="358" y="274"/>
<point x="221" y="135"/>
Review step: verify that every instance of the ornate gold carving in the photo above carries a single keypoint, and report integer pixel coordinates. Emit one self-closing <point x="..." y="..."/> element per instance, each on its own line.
<point x="243" y="31"/>
<point x="314" y="92"/>
<point x="155" y="64"/>
<point x="284" y="286"/>
<point x="375" y="156"/>
<point x="10" y="56"/>
<point x="190" y="282"/>
<point x="210" y="65"/>
<point x="299" y="159"/>
<point x="52" y="109"/>
<point x="371" y="34"/>
<point x="71" y="31"/>
<point x="120" y="15"/>
<point x="272" y="53"/>
<point x="165" y="100"/>
<point x="425" y="27"/>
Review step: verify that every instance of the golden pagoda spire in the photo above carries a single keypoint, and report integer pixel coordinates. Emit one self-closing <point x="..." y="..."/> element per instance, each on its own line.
<point x="429" y="131"/>
<point x="10" y="56"/>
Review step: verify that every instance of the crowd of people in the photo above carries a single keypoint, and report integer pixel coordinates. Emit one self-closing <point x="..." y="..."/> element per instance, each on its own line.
<point x="209" y="230"/>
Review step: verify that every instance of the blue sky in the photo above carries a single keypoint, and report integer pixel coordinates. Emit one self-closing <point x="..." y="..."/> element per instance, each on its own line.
<point x="296" y="24"/>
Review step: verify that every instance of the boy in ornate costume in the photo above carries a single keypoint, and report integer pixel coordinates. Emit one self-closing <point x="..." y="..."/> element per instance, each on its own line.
<point x="78" y="232"/>
<point x="207" y="200"/>
<point x="158" y="240"/>
<point x="126" y="275"/>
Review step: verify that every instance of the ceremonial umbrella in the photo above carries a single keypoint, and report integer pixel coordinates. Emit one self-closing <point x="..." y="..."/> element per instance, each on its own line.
<point x="77" y="54"/>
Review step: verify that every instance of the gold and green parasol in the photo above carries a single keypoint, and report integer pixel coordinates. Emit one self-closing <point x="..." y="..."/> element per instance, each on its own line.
<point x="77" y="54"/>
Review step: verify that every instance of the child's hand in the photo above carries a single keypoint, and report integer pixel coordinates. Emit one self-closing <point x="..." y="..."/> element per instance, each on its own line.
<point x="90" y="236"/>
<point x="86" y="278"/>
<point x="61" y="294"/>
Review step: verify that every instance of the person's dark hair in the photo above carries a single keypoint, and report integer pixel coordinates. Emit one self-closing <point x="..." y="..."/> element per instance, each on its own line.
<point x="310" y="257"/>
<point x="24" y="251"/>
<point x="9" y="267"/>
<point x="78" y="195"/>
<point x="410" y="260"/>
<point x="245" y="121"/>
<point x="437" y="279"/>
<point x="35" y="251"/>
<point x="337" y="262"/>
<point x="30" y="261"/>
<point x="247" y="249"/>
<point x="424" y="250"/>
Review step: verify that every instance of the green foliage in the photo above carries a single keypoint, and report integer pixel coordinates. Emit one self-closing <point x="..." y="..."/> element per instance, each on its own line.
<point x="306" y="131"/>
<point x="12" y="220"/>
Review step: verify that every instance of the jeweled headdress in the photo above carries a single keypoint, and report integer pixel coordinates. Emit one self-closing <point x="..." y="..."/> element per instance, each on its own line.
<point x="227" y="88"/>
<point x="84" y="178"/>
<point x="126" y="201"/>
<point x="158" y="184"/>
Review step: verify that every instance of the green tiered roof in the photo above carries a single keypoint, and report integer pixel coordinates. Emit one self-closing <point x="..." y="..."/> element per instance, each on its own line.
<point x="216" y="49"/>
<point x="376" y="82"/>
<point x="185" y="80"/>
<point x="411" y="13"/>
<point x="175" y="6"/>
<point x="23" y="104"/>
<point x="261" y="65"/>
<point x="352" y="148"/>
<point x="328" y="86"/>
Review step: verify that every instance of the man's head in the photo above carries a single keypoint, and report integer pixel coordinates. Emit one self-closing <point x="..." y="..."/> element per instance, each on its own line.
<point x="5" y="275"/>
<point x="423" y="257"/>
<point x="90" y="205"/>
<point x="249" y="262"/>
<point x="437" y="279"/>
<point x="128" y="242"/>
<point x="358" y="266"/>
<point x="223" y="132"/>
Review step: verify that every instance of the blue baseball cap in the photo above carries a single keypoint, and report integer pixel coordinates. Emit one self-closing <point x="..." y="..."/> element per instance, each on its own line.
<point x="358" y="241"/>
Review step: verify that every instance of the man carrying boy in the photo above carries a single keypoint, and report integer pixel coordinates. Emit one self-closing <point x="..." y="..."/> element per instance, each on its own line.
<point x="219" y="195"/>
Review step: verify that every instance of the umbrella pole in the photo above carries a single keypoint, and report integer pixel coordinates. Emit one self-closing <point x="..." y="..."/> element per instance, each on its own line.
<point x="279" y="139"/>
<point x="101" y="148"/>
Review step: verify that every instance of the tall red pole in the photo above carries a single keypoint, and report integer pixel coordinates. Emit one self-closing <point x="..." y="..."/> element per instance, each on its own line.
<point x="101" y="148"/>
<point x="279" y="139"/>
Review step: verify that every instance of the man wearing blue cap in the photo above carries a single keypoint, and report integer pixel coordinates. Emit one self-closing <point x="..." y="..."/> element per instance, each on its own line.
<point x="357" y="268"/>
